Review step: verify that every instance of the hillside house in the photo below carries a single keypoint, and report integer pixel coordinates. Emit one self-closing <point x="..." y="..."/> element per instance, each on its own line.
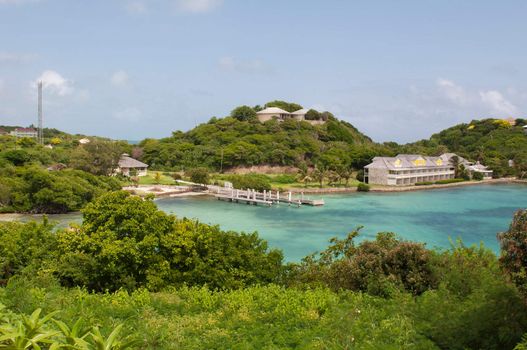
<point x="281" y="115"/>
<point x="25" y="132"/>
<point x="127" y="165"/>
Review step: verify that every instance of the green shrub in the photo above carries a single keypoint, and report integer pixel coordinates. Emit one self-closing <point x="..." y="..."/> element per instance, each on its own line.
<point x="198" y="175"/>
<point x="362" y="187"/>
<point x="477" y="176"/>
<point x="424" y="183"/>
<point x="126" y="242"/>
<point x="360" y="175"/>
<point x="258" y="182"/>
<point x="448" y="181"/>
<point x="284" y="179"/>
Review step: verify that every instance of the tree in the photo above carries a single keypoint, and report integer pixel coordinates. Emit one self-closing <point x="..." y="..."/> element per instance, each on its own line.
<point x="286" y="106"/>
<point x="312" y="115"/>
<point x="304" y="175"/>
<point x="198" y="175"/>
<point x="319" y="174"/>
<point x="513" y="243"/>
<point x="157" y="177"/>
<point x="26" y="142"/>
<point x="97" y="157"/>
<point x="55" y="141"/>
<point x="243" y="113"/>
<point x="126" y="242"/>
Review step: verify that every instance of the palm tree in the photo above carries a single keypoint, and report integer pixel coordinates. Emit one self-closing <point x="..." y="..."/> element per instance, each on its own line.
<point x="454" y="161"/>
<point x="319" y="174"/>
<point x="303" y="175"/>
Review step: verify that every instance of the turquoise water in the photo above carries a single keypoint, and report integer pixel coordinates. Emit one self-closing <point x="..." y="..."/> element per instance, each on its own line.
<point x="474" y="213"/>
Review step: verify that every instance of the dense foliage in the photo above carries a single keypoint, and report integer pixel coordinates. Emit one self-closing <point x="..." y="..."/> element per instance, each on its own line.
<point x="491" y="141"/>
<point x="258" y="182"/>
<point x="514" y="250"/>
<point x="180" y="283"/>
<point x="126" y="242"/>
<point x="241" y="140"/>
<point x="36" y="190"/>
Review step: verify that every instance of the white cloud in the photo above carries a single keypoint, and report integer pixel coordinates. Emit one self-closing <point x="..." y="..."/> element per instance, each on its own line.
<point x="119" y="78"/>
<point x="453" y="92"/>
<point x="128" y="114"/>
<point x="197" y="6"/>
<point x="482" y="102"/>
<point x="10" y="57"/>
<point x="498" y="104"/>
<point x="242" y="66"/>
<point x="136" y="7"/>
<point x="54" y="83"/>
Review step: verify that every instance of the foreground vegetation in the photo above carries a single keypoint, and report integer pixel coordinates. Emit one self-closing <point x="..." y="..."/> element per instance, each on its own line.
<point x="134" y="275"/>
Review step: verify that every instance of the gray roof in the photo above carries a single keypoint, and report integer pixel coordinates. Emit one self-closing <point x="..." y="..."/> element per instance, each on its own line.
<point x="129" y="162"/>
<point x="270" y="110"/>
<point x="302" y="111"/>
<point x="407" y="161"/>
<point x="480" y="168"/>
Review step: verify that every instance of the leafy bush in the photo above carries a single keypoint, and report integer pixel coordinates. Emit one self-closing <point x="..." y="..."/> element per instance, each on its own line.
<point x="198" y="175"/>
<point x="126" y="242"/>
<point x="513" y="257"/>
<point x="362" y="187"/>
<point x="360" y="175"/>
<point x="258" y="182"/>
<point x="32" y="189"/>
<point x="284" y="179"/>
<point x="424" y="183"/>
<point x="477" y="176"/>
<point x="448" y="181"/>
<point x="378" y="267"/>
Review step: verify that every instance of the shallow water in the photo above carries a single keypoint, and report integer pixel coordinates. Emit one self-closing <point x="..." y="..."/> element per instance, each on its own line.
<point x="473" y="213"/>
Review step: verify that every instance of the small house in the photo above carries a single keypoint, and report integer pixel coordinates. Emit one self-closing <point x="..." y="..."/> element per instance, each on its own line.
<point x="128" y="165"/>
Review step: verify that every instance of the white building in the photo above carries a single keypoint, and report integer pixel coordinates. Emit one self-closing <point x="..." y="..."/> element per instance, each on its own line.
<point x="469" y="166"/>
<point x="272" y="113"/>
<point x="128" y="164"/>
<point x="24" y="132"/>
<point x="407" y="169"/>
<point x="281" y="115"/>
<point x="300" y="114"/>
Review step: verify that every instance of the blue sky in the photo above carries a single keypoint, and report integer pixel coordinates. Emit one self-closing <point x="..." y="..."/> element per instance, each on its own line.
<point x="130" y="69"/>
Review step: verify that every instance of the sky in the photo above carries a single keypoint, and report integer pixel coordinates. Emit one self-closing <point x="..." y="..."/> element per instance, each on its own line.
<point x="132" y="69"/>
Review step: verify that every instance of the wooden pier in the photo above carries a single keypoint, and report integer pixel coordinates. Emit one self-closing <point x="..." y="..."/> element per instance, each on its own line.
<point x="267" y="198"/>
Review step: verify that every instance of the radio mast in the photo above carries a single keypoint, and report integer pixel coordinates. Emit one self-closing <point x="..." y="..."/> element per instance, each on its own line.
<point x="40" y="131"/>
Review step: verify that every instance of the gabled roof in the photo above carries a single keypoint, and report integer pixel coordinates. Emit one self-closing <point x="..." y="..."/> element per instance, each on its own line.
<point x="271" y="110"/>
<point x="302" y="111"/>
<point x="25" y="130"/>
<point x="406" y="161"/>
<point x="129" y="162"/>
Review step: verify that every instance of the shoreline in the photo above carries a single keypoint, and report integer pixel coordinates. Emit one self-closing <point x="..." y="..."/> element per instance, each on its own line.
<point x="170" y="191"/>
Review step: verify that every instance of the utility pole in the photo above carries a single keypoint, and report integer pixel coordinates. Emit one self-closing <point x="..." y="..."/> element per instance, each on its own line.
<point x="221" y="163"/>
<point x="40" y="131"/>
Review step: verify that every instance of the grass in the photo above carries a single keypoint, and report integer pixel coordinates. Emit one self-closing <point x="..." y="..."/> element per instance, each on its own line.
<point x="164" y="179"/>
<point x="150" y="179"/>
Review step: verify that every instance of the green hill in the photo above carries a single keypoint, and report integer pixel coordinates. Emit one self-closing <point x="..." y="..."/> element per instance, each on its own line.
<point x="244" y="141"/>
<point x="491" y="141"/>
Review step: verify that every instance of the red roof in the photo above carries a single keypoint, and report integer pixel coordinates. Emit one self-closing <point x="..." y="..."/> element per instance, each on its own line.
<point x="25" y="130"/>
